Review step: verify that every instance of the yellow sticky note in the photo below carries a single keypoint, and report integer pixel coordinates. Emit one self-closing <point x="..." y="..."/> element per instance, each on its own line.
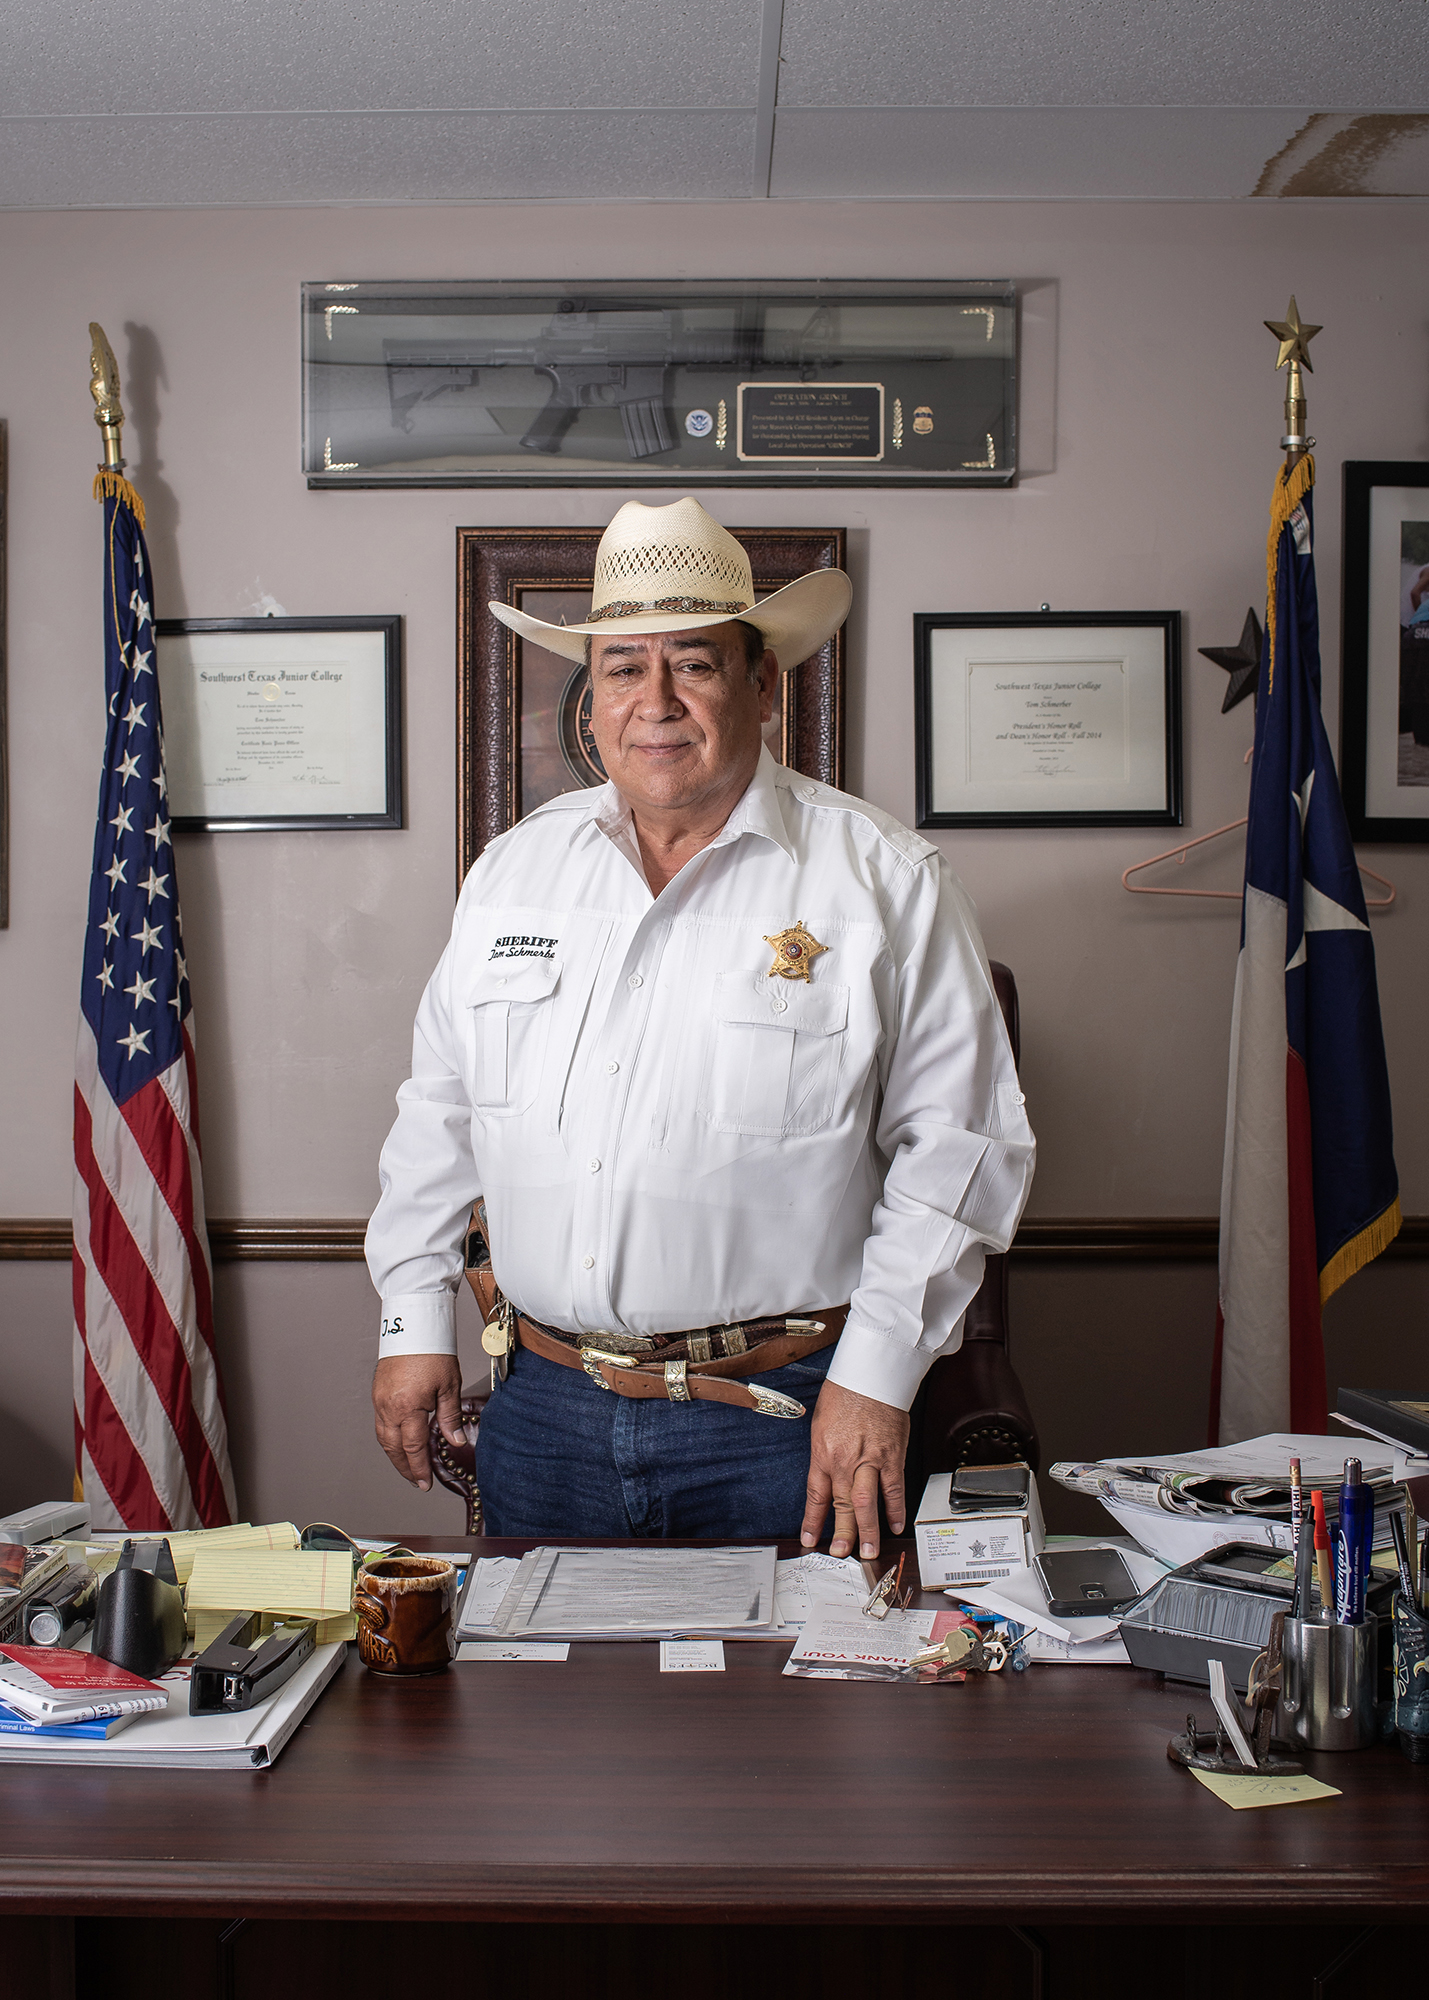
<point x="1256" y="1791"/>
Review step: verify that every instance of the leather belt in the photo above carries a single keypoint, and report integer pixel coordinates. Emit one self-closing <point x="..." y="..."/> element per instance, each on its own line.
<point x="645" y="1375"/>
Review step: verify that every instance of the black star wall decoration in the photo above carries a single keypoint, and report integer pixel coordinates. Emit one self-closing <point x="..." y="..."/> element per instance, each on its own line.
<point x="1241" y="662"/>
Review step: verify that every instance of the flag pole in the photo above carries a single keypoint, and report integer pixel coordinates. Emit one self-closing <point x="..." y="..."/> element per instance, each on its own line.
<point x="151" y="1436"/>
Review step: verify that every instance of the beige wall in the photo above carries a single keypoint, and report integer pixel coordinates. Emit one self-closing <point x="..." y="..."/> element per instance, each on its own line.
<point x="1150" y="413"/>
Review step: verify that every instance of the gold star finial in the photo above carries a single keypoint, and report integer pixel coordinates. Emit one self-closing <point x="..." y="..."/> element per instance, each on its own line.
<point x="1294" y="337"/>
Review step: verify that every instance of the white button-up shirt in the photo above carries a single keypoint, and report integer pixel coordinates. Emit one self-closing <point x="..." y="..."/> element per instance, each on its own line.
<point x="666" y="1135"/>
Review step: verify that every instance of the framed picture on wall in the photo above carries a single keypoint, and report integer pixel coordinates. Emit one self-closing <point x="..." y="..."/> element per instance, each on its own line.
<point x="523" y="713"/>
<point x="1068" y="718"/>
<point x="282" y="723"/>
<point x="1384" y="682"/>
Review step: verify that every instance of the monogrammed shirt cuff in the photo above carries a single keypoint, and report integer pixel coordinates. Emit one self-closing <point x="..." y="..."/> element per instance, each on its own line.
<point x="872" y="1365"/>
<point x="418" y="1323"/>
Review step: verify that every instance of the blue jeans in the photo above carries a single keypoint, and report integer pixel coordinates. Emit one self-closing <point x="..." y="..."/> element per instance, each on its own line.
<point x="558" y="1456"/>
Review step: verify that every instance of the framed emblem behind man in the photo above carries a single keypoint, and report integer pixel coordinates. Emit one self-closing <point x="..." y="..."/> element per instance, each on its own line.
<point x="523" y="729"/>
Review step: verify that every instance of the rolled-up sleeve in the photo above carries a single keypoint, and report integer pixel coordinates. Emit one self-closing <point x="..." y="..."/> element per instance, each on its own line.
<point x="429" y="1181"/>
<point x="953" y="1127"/>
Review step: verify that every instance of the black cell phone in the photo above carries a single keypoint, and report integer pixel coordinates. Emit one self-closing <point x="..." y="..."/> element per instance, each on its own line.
<point x="1085" y="1583"/>
<point x="991" y="1482"/>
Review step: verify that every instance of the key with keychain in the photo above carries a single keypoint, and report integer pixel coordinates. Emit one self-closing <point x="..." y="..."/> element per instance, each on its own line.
<point x="498" y="1337"/>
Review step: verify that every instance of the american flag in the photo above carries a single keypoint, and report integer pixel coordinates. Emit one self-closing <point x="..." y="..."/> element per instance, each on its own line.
<point x="1309" y="1192"/>
<point x="151" y="1438"/>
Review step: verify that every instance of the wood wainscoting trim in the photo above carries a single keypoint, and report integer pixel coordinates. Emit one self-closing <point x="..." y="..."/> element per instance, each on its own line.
<point x="283" y="1239"/>
<point x="1097" y="1239"/>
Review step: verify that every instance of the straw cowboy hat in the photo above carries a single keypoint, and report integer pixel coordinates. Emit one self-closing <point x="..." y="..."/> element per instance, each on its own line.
<point x="675" y="569"/>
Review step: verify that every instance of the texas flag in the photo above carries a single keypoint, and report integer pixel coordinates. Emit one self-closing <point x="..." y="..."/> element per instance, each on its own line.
<point x="1309" y="1191"/>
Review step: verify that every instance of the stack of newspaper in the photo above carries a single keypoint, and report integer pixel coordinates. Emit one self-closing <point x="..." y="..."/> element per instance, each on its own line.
<point x="1181" y="1504"/>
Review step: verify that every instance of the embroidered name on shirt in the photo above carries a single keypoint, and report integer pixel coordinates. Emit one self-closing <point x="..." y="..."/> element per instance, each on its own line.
<point x="524" y="947"/>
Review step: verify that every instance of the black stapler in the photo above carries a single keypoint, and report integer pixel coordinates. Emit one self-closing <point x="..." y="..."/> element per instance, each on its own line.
<point x="234" y="1674"/>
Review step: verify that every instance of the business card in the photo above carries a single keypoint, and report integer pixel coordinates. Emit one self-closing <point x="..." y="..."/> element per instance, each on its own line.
<point x="473" y="1650"/>
<point x="692" y="1656"/>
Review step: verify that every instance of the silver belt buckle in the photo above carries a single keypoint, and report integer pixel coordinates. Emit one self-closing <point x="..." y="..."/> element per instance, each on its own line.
<point x="592" y="1359"/>
<point x="772" y="1403"/>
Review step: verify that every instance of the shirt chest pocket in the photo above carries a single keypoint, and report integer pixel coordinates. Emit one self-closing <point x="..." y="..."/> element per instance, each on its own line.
<point x="775" y="1051"/>
<point x="509" y="1015"/>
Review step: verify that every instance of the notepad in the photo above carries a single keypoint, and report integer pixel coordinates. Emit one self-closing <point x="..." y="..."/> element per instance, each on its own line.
<point x="300" y="1583"/>
<point x="1256" y="1789"/>
<point x="187" y="1542"/>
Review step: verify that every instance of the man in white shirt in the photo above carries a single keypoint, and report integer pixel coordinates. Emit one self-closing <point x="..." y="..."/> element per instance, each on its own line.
<point x="718" y="1049"/>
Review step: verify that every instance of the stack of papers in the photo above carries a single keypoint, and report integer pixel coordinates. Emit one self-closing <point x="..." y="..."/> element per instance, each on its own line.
<point x="641" y="1593"/>
<point x="840" y="1644"/>
<point x="1088" y="1642"/>
<point x="1179" y="1505"/>
<point x="801" y="1584"/>
<point x="293" y="1583"/>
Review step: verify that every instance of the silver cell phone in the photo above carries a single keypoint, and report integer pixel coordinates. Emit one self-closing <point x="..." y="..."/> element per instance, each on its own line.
<point x="1085" y="1583"/>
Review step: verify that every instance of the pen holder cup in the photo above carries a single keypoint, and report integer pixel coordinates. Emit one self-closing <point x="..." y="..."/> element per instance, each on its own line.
<point x="1328" y="1685"/>
<point x="1411" y="1680"/>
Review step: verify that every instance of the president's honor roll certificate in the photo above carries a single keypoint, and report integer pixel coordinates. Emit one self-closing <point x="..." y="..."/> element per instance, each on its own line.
<point x="1078" y="727"/>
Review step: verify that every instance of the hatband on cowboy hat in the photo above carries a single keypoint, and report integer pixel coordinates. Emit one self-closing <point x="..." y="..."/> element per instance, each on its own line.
<point x="675" y="569"/>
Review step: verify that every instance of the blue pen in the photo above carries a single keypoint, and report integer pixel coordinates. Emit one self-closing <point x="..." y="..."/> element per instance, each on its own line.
<point x="1353" y="1533"/>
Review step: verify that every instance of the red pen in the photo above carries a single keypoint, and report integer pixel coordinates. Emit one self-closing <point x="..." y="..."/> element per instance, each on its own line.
<point x="1323" y="1571"/>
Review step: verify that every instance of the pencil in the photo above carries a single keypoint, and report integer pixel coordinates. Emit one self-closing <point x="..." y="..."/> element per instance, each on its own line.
<point x="1297" y="1503"/>
<point x="1323" y="1571"/>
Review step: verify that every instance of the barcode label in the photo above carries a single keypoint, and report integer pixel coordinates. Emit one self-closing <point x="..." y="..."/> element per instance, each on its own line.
<point x="978" y="1575"/>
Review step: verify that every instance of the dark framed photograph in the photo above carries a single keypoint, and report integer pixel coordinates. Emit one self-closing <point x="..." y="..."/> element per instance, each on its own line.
<point x="523" y="713"/>
<point x="1384" y="676"/>
<point x="4" y="703"/>
<point x="675" y="382"/>
<point x="1065" y="718"/>
<point x="283" y="723"/>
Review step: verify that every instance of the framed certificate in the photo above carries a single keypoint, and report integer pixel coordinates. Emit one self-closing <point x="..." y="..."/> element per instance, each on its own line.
<point x="282" y="722"/>
<point x="1384" y="687"/>
<point x="1070" y="718"/>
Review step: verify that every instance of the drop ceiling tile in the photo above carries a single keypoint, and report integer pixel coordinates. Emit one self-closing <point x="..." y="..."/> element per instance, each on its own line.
<point x="76" y="56"/>
<point x="973" y="155"/>
<point x="261" y="161"/>
<point x="1184" y="52"/>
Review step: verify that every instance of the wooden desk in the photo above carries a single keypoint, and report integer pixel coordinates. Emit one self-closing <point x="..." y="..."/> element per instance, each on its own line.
<point x="600" y="1791"/>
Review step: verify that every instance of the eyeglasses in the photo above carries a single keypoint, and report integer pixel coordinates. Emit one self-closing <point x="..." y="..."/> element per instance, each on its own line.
<point x="323" y="1537"/>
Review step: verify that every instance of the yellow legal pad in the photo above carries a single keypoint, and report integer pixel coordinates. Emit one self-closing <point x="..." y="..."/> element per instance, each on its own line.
<point x="186" y="1543"/>
<point x="298" y="1583"/>
<point x="1257" y="1791"/>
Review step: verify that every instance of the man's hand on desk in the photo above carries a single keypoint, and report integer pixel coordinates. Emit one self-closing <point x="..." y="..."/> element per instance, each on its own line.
<point x="405" y="1391"/>
<point x="857" y="1444"/>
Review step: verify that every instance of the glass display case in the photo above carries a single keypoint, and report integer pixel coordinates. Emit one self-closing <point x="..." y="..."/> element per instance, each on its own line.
<point x="797" y="383"/>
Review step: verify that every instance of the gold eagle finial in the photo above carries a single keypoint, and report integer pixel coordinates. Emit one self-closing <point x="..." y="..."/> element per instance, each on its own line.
<point x="104" y="387"/>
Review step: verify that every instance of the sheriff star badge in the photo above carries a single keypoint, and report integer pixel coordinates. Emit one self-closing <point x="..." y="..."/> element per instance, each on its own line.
<point x="794" y="951"/>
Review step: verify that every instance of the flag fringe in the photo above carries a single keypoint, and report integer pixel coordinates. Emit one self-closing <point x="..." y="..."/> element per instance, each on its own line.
<point x="1360" y="1250"/>
<point x="112" y="485"/>
<point x="1290" y="490"/>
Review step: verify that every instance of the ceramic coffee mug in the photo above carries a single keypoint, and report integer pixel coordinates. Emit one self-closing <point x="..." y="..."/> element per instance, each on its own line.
<point x="404" y="1615"/>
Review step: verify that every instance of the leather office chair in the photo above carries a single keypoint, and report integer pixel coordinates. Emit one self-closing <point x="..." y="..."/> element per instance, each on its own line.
<point x="971" y="1409"/>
